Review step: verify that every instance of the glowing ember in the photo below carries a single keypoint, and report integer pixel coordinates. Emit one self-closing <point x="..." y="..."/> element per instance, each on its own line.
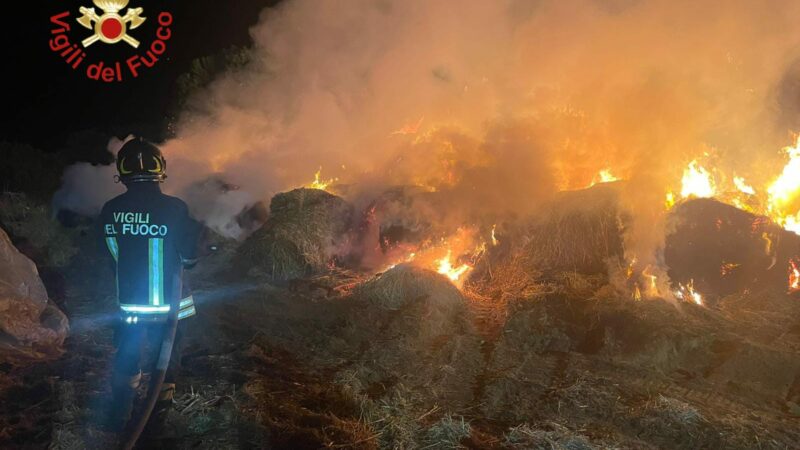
<point x="794" y="276"/>
<point x="727" y="268"/>
<point x="697" y="182"/>
<point x="446" y="268"/>
<point x="669" y="202"/>
<point x="319" y="183"/>
<point x="688" y="293"/>
<point x="604" y="176"/>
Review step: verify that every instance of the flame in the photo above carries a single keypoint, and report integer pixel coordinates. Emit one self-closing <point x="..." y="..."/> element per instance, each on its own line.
<point x="652" y="288"/>
<point x="319" y="183"/>
<point x="688" y="293"/>
<point x="669" y="201"/>
<point x="494" y="235"/>
<point x="697" y="182"/>
<point x="727" y="268"/>
<point x="643" y="283"/>
<point x="784" y="192"/>
<point x="604" y="176"/>
<point x="794" y="276"/>
<point x="439" y="256"/>
<point x="410" y="128"/>
<point x="742" y="186"/>
<point x="446" y="268"/>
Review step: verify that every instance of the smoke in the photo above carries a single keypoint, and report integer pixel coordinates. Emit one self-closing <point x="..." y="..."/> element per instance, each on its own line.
<point x="495" y="104"/>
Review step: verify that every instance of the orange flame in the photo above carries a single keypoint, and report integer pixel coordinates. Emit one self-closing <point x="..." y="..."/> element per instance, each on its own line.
<point x="697" y="182"/>
<point x="319" y="183"/>
<point x="446" y="268"/>
<point x="688" y="293"/>
<point x="784" y="192"/>
<point x="604" y="176"/>
<point x="794" y="276"/>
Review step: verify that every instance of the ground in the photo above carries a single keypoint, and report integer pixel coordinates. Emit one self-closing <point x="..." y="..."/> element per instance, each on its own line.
<point x="563" y="363"/>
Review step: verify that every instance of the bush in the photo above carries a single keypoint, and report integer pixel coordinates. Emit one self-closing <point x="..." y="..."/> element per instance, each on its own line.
<point x="33" y="229"/>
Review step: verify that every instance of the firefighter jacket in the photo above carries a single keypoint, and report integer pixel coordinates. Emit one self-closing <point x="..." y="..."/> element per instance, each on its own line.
<point x="151" y="237"/>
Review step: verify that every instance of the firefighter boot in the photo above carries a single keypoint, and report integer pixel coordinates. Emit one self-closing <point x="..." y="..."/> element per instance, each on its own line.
<point x="158" y="419"/>
<point x="123" y="396"/>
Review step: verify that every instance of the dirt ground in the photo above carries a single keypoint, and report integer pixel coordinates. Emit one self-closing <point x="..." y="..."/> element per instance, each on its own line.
<point x="564" y="363"/>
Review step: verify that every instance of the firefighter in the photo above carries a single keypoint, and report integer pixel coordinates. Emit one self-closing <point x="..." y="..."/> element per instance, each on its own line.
<point x="151" y="238"/>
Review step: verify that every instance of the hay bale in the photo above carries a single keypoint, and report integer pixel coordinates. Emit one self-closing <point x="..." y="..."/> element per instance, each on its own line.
<point x="303" y="234"/>
<point x="580" y="231"/>
<point x="406" y="283"/>
<point x="406" y="214"/>
<point x="417" y="332"/>
<point x="726" y="250"/>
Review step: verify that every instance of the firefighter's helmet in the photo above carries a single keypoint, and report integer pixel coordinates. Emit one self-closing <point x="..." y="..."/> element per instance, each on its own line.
<point x="140" y="160"/>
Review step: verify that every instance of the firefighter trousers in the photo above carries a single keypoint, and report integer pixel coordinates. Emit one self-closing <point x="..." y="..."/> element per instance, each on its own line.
<point x="138" y="347"/>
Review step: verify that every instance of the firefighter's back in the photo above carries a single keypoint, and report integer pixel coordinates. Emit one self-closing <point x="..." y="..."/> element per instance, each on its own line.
<point x="143" y="229"/>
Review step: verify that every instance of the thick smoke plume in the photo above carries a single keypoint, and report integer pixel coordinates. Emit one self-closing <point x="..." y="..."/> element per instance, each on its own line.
<point x="496" y="104"/>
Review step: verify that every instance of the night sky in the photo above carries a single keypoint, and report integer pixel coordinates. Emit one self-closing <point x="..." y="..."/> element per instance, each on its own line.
<point x="45" y="100"/>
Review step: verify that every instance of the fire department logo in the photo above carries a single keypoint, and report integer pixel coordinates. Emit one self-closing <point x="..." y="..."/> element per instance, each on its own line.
<point x="111" y="27"/>
<point x="110" y="22"/>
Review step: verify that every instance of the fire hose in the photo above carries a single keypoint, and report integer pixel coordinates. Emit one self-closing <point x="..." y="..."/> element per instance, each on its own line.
<point x="156" y="381"/>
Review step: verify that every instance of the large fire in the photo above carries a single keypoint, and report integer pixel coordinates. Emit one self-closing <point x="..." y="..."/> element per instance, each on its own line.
<point x="784" y="192"/>
<point x="779" y="200"/>
<point x="697" y="182"/>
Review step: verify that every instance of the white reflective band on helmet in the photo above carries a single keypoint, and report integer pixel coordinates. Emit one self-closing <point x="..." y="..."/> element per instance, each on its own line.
<point x="145" y="309"/>
<point x="188" y="312"/>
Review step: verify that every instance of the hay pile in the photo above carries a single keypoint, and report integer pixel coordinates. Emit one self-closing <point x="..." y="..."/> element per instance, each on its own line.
<point x="405" y="284"/>
<point x="405" y="214"/>
<point x="648" y="373"/>
<point x="416" y="339"/>
<point x="580" y="231"/>
<point x="304" y="232"/>
<point x="726" y="250"/>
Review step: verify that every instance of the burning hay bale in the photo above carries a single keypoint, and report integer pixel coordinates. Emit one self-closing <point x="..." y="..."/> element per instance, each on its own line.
<point x="305" y="229"/>
<point x="31" y="326"/>
<point x="725" y="250"/>
<point x="580" y="231"/>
